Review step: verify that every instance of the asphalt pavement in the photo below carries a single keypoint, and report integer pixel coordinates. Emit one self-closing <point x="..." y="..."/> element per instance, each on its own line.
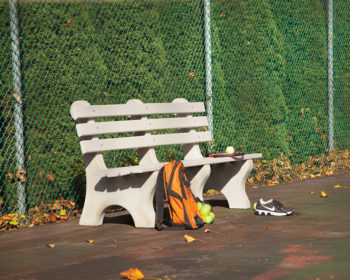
<point x="314" y="243"/>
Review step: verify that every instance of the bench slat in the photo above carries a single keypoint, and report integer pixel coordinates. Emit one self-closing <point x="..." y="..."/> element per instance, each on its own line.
<point x="98" y="128"/>
<point x="115" y="110"/>
<point x="103" y="145"/>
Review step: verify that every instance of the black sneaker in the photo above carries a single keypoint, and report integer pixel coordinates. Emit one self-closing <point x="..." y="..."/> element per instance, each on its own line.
<point x="271" y="207"/>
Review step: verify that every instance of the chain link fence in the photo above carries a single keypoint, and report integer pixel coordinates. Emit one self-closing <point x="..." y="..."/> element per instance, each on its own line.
<point x="275" y="76"/>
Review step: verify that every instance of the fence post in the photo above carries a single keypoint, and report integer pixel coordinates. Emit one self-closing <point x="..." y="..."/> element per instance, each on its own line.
<point x="208" y="73"/>
<point x="18" y="112"/>
<point x="330" y="77"/>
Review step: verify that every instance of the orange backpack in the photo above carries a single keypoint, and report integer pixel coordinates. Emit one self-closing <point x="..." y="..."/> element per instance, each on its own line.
<point x="173" y="188"/>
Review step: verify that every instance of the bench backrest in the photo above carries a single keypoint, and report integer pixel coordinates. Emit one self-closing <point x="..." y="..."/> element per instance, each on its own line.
<point x="182" y="124"/>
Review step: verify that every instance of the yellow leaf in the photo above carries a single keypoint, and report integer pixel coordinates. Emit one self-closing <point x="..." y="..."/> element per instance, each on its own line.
<point x="50" y="177"/>
<point x="51" y="245"/>
<point x="17" y="97"/>
<point x="208" y="230"/>
<point x="323" y="194"/>
<point x="90" y="241"/>
<point x="132" y="274"/>
<point x="21" y="175"/>
<point x="189" y="238"/>
<point x="311" y="192"/>
<point x="63" y="212"/>
<point x="337" y="186"/>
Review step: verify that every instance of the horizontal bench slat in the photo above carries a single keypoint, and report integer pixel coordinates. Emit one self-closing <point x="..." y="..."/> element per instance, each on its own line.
<point x="99" y="128"/>
<point x="122" y="143"/>
<point x="95" y="111"/>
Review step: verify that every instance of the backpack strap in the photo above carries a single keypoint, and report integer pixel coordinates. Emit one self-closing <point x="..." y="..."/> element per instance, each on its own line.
<point x="160" y="195"/>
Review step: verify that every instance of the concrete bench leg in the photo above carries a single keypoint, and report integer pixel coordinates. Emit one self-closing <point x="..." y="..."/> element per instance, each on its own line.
<point x="93" y="211"/>
<point x="198" y="177"/>
<point x="230" y="179"/>
<point x="133" y="192"/>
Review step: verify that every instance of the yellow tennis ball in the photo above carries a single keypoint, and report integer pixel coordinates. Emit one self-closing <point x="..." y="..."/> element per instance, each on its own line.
<point x="230" y="150"/>
<point x="199" y="205"/>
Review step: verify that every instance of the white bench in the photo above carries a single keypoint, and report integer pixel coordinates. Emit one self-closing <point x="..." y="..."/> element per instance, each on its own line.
<point x="133" y="187"/>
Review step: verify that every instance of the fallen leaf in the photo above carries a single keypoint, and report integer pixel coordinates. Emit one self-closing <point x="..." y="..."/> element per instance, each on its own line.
<point x="132" y="274"/>
<point x="191" y="74"/>
<point x="323" y="194"/>
<point x="191" y="239"/>
<point x="52" y="217"/>
<point x="21" y="175"/>
<point x="157" y="247"/>
<point x="17" y="97"/>
<point x="311" y="192"/>
<point x="51" y="245"/>
<point x="208" y="230"/>
<point x="63" y="212"/>
<point x="90" y="241"/>
<point x="50" y="177"/>
<point x="337" y="186"/>
<point x="115" y="241"/>
<point x="270" y="227"/>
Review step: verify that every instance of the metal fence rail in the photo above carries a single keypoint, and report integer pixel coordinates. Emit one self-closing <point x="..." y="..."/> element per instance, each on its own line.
<point x="275" y="76"/>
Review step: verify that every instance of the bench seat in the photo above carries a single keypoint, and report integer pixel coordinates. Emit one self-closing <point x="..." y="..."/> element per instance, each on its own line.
<point x="136" y="169"/>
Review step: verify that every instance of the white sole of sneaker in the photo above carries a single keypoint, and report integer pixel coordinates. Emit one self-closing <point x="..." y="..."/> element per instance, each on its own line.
<point x="268" y="213"/>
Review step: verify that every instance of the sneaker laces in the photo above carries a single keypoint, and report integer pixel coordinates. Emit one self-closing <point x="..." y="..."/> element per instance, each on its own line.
<point x="280" y="205"/>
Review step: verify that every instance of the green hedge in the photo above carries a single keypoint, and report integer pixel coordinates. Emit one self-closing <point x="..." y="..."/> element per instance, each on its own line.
<point x="274" y="57"/>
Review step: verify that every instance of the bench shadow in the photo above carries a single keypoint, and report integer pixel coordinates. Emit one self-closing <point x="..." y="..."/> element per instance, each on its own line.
<point x="121" y="217"/>
<point x="122" y="183"/>
<point x="216" y="202"/>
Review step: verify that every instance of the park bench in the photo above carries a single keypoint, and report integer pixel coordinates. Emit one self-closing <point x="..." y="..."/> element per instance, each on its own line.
<point x="133" y="187"/>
